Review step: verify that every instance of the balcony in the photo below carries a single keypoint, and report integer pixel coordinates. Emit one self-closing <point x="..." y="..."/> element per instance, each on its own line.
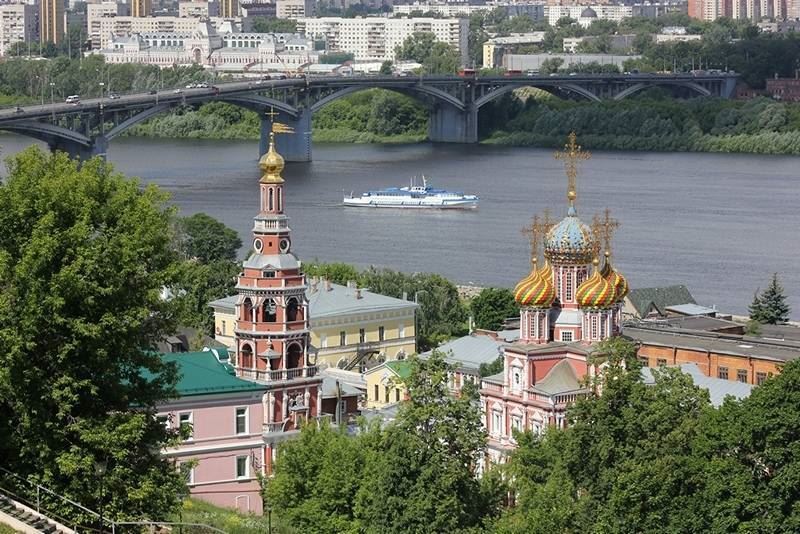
<point x="279" y="375"/>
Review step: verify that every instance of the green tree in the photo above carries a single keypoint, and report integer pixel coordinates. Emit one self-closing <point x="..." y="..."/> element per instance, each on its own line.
<point x="386" y="68"/>
<point x="492" y="306"/>
<point x="83" y="257"/>
<point x="273" y="25"/>
<point x="336" y="58"/>
<point x="421" y="476"/>
<point x="436" y="57"/>
<point x="206" y="239"/>
<point x="770" y="307"/>
<point x="338" y="273"/>
<point x="489" y="369"/>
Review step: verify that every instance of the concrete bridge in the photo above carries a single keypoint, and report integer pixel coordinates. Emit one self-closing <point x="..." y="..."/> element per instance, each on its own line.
<point x="85" y="129"/>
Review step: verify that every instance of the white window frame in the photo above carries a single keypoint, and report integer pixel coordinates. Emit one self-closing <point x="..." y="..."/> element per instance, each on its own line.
<point x="164" y="418"/>
<point x="246" y="420"/>
<point x="516" y="378"/>
<point x="246" y="467"/>
<point x="401" y="330"/>
<point x="497" y="422"/>
<point x="565" y="334"/>
<point x="190" y="421"/>
<point x="323" y="341"/>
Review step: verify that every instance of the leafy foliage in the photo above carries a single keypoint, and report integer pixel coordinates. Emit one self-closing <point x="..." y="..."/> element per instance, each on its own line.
<point x="415" y="474"/>
<point x="492" y="306"/>
<point x="435" y="56"/>
<point x="83" y="257"/>
<point x="206" y="239"/>
<point x="273" y="25"/>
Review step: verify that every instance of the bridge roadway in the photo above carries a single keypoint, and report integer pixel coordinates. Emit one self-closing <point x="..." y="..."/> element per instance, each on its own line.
<point x="85" y="129"/>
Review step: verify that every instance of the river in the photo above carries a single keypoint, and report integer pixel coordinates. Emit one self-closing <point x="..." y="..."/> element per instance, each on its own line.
<point x="719" y="223"/>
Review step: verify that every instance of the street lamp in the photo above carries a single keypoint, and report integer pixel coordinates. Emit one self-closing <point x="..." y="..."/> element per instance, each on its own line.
<point x="52" y="100"/>
<point x="100" y="471"/>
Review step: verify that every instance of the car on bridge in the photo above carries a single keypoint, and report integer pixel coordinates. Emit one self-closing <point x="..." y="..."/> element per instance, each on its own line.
<point x="73" y="99"/>
<point x="113" y="96"/>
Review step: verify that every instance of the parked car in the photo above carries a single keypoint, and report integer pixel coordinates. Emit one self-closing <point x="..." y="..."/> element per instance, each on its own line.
<point x="191" y="86"/>
<point x="178" y="91"/>
<point x="202" y="85"/>
<point x="113" y="96"/>
<point x="73" y="99"/>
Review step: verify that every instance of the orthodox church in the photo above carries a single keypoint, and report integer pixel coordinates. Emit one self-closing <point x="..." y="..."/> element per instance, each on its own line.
<point x="568" y="304"/>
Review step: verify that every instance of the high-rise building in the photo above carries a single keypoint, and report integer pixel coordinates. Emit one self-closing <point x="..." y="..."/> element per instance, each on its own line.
<point x="51" y="21"/>
<point x="18" y="23"/>
<point x="229" y="9"/>
<point x="141" y="8"/>
<point x="294" y="9"/>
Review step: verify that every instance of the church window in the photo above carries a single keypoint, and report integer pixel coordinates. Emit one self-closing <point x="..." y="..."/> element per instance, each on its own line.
<point x="269" y="201"/>
<point x="722" y="373"/>
<point x="269" y="310"/>
<point x="760" y="378"/>
<point x="376" y="393"/>
<point x="362" y="335"/>
<point x="566" y="336"/>
<point x="568" y="286"/>
<point x="542" y="332"/>
<point x="516" y="378"/>
<point x="741" y="375"/>
<point x="291" y="310"/>
<point x="342" y="338"/>
<point x="381" y="333"/>
<point x="594" y="327"/>
<point x="661" y="362"/>
<point x="496" y="423"/>
<point x="280" y="200"/>
<point x="516" y="423"/>
<point x="247" y="314"/>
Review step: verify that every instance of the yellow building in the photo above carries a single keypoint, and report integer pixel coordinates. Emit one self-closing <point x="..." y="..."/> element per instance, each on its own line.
<point x="141" y="8"/>
<point x="229" y="9"/>
<point x="385" y="383"/>
<point x="351" y="328"/>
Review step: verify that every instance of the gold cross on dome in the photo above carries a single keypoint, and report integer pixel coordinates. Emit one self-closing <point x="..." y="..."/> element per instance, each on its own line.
<point x="604" y="228"/>
<point x="571" y="155"/>
<point x="271" y="114"/>
<point x="533" y="231"/>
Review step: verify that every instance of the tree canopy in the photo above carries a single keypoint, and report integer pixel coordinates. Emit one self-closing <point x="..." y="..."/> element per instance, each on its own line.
<point x="770" y="306"/>
<point x="436" y="57"/>
<point x="84" y="254"/>
<point x="492" y="306"/>
<point x="206" y="239"/>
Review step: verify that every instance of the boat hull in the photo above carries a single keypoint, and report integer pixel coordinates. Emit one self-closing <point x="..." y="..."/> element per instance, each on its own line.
<point x="411" y="204"/>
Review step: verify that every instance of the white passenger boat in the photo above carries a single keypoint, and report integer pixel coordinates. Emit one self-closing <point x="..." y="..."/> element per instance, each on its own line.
<point x="413" y="197"/>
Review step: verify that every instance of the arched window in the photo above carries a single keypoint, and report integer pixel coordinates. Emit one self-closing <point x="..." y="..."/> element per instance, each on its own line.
<point x="247" y="310"/>
<point x="280" y="199"/>
<point x="246" y="357"/>
<point x="269" y="311"/>
<point x="291" y="310"/>
<point x="294" y="356"/>
<point x="269" y="201"/>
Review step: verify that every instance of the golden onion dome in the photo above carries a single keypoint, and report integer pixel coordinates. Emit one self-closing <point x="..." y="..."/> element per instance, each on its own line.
<point x="596" y="291"/>
<point x="271" y="164"/>
<point x="546" y="271"/>
<point x="605" y="270"/>
<point x="619" y="283"/>
<point x="523" y="285"/>
<point x="540" y="293"/>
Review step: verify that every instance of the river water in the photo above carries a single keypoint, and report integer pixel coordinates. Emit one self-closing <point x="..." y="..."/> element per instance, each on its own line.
<point x="719" y="223"/>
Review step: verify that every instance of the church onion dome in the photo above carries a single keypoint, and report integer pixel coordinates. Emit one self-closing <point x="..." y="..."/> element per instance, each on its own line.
<point x="588" y="13"/>
<point x="619" y="283"/>
<point x="605" y="270"/>
<point x="596" y="292"/>
<point x="271" y="164"/>
<point x="569" y="242"/>
<point x="540" y="293"/>
<point x="524" y="285"/>
<point x="546" y="271"/>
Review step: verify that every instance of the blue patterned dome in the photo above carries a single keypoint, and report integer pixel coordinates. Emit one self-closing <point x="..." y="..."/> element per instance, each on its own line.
<point x="571" y="241"/>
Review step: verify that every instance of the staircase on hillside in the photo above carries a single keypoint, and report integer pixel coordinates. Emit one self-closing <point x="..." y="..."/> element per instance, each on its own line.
<point x="37" y="522"/>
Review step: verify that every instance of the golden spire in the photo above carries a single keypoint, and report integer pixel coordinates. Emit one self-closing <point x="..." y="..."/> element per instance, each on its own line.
<point x="571" y="155"/>
<point x="272" y="163"/>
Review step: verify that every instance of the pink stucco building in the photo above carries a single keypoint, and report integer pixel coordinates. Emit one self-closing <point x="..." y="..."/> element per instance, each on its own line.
<point x="225" y="452"/>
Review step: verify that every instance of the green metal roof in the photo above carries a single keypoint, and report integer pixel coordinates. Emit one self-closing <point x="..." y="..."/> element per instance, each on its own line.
<point x="644" y="299"/>
<point x="401" y="368"/>
<point x="201" y="373"/>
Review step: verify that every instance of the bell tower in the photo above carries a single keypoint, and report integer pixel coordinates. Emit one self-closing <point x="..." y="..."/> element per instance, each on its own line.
<point x="272" y="333"/>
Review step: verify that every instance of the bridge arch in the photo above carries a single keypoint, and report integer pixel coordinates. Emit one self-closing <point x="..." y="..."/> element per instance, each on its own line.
<point x="549" y="87"/>
<point x="46" y="132"/>
<point x="415" y="91"/>
<point x="633" y="89"/>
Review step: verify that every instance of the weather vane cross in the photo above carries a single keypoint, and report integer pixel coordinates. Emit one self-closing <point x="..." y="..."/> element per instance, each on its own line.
<point x="571" y="155"/>
<point x="277" y="127"/>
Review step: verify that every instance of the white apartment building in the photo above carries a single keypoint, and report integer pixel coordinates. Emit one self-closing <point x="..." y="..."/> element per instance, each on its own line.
<point x="446" y="10"/>
<point x="377" y="38"/>
<point x="585" y="15"/>
<point x="95" y="12"/>
<point x="18" y="23"/>
<point x="294" y="9"/>
<point x="110" y="27"/>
